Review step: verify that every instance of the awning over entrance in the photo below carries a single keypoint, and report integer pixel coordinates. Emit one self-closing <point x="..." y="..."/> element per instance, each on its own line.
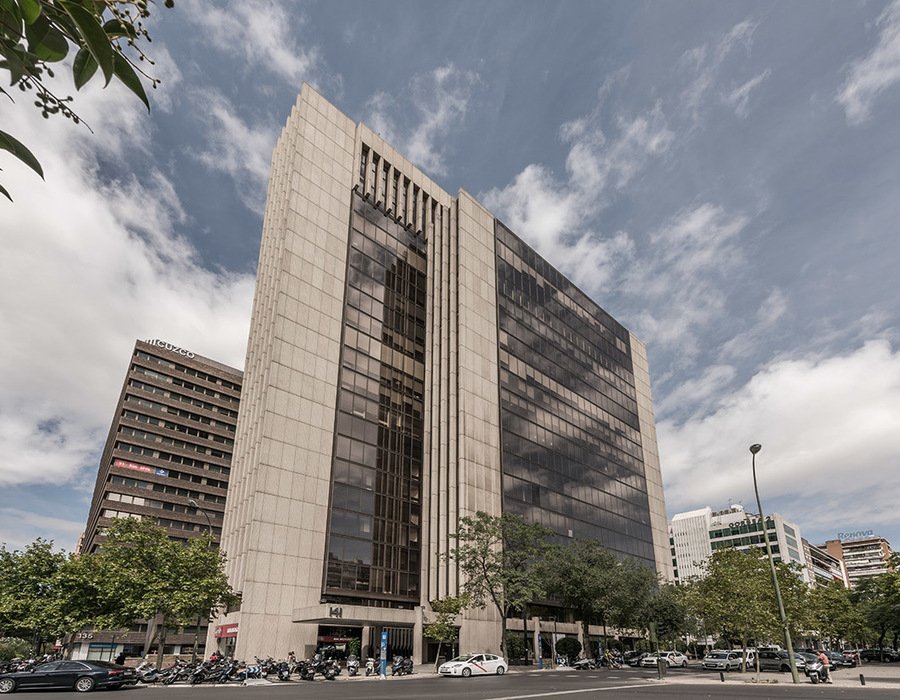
<point x="354" y="615"/>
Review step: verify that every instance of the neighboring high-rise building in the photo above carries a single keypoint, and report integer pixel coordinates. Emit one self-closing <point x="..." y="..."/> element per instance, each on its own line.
<point x="412" y="361"/>
<point x="695" y="535"/>
<point x="824" y="568"/>
<point x="862" y="557"/>
<point x="168" y="456"/>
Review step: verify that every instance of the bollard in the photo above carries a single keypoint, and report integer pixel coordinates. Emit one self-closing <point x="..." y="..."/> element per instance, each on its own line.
<point x="722" y="676"/>
<point x="661" y="668"/>
<point x="862" y="679"/>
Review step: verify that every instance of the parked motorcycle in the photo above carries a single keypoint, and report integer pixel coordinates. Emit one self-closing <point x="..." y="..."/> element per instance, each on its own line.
<point x="319" y="665"/>
<point x="585" y="665"/>
<point x="352" y="665"/>
<point x="402" y="666"/>
<point x="370" y="666"/>
<point x="283" y="671"/>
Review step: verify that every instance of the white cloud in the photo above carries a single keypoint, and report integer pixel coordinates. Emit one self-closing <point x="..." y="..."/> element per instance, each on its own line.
<point x="772" y="310"/>
<point x="558" y="217"/>
<point x="439" y="100"/>
<point x="260" y="33"/>
<point x="828" y="426"/>
<point x="705" y="61"/>
<point x="868" y="77"/>
<point x="88" y="266"/>
<point x="694" y="394"/>
<point x="679" y="279"/>
<point x="239" y="149"/>
<point x="739" y="98"/>
<point x="19" y="528"/>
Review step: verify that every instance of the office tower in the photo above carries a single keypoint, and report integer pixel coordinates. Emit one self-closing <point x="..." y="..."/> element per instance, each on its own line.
<point x="412" y="361"/>
<point x="167" y="456"/>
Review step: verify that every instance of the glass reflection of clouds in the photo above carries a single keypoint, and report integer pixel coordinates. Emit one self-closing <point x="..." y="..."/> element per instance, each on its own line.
<point x="572" y="456"/>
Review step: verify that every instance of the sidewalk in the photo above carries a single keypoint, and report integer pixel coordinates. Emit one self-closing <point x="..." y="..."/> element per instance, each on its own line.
<point x="875" y="675"/>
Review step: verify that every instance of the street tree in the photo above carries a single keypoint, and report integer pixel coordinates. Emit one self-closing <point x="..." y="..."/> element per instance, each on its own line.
<point x="733" y="598"/>
<point x="499" y="558"/>
<point x="834" y="615"/>
<point x="666" y="608"/>
<point x="878" y="601"/>
<point x="28" y="592"/>
<point x="598" y="587"/>
<point x="108" y="37"/>
<point x="153" y="577"/>
<point x="443" y="628"/>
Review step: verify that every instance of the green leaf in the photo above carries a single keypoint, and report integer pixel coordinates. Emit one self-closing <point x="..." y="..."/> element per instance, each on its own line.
<point x="15" y="147"/>
<point x="126" y="74"/>
<point x="46" y="41"/>
<point x="84" y="67"/>
<point x="10" y="21"/>
<point x="115" y="28"/>
<point x="95" y="39"/>
<point x="31" y="10"/>
<point x="5" y="193"/>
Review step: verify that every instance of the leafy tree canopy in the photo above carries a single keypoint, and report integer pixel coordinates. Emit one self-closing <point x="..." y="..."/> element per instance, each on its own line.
<point x="498" y="557"/>
<point x="107" y="35"/>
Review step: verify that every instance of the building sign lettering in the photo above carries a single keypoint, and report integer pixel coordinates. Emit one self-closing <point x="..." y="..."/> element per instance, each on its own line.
<point x="855" y="535"/>
<point x="335" y="612"/>
<point x="134" y="466"/>
<point x="227" y="631"/>
<point x="172" y="348"/>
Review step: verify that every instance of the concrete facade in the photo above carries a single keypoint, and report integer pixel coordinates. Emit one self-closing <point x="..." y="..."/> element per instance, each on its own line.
<point x="731" y="527"/>
<point x="340" y="197"/>
<point x="862" y="557"/>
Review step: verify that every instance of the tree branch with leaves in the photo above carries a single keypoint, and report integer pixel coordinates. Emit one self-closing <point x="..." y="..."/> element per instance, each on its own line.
<point x="35" y="35"/>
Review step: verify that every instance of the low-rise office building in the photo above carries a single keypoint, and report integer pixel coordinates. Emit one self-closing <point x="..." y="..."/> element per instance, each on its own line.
<point x="695" y="535"/>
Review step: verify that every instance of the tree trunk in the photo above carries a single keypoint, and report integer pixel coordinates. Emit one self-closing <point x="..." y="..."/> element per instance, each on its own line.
<point x="162" y="644"/>
<point x="502" y="635"/>
<point x="525" y="627"/>
<point x="437" y="659"/>
<point x="585" y="627"/>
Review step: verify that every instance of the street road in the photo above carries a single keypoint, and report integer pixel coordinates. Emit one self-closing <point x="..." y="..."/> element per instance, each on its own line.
<point x="627" y="684"/>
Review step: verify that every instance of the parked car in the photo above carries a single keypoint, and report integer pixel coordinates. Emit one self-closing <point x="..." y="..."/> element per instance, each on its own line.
<point x="779" y="661"/>
<point x="81" y="676"/>
<point x="722" y="660"/>
<point x="879" y="655"/>
<point x="672" y="658"/>
<point x="634" y="658"/>
<point x="837" y="660"/>
<point x="852" y="656"/>
<point x="474" y="665"/>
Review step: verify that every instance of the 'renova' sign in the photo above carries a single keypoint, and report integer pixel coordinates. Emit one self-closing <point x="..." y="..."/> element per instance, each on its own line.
<point x="856" y="535"/>
<point x="168" y="346"/>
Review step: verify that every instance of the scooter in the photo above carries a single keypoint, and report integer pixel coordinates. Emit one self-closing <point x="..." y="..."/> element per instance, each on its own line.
<point x="402" y="666"/>
<point x="319" y="665"/>
<point x="584" y="665"/>
<point x="352" y="665"/>
<point x="370" y="666"/>
<point x="817" y="672"/>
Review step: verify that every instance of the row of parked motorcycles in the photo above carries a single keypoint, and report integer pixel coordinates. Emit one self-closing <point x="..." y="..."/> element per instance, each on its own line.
<point x="225" y="670"/>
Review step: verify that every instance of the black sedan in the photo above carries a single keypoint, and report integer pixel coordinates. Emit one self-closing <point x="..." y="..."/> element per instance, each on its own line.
<point x="81" y="676"/>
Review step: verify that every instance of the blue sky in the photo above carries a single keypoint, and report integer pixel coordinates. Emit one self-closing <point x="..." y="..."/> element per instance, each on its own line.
<point x="721" y="177"/>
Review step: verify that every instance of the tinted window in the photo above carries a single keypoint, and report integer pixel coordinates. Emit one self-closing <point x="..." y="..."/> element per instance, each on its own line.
<point x="572" y="457"/>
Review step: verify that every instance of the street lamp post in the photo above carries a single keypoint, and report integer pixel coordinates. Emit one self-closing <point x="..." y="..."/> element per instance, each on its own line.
<point x="754" y="449"/>
<point x="197" y="508"/>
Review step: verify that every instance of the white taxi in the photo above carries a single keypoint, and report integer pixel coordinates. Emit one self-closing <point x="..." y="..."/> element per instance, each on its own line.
<point x="474" y="665"/>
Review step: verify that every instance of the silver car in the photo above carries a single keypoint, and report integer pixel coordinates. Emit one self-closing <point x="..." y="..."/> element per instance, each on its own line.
<point x="722" y="660"/>
<point x="779" y="661"/>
